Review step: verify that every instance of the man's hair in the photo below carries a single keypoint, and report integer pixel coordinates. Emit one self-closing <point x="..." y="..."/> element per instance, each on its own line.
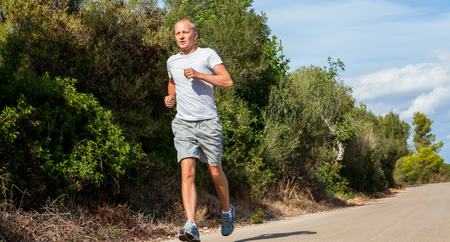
<point x="193" y="25"/>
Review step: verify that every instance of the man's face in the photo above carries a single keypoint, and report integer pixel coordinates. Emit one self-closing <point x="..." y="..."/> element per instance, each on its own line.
<point x="185" y="36"/>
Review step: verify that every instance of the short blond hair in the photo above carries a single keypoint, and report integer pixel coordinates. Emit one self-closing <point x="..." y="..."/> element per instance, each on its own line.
<point x="193" y="25"/>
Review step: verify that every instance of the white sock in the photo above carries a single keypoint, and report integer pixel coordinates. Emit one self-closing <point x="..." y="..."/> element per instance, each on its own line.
<point x="192" y="223"/>
<point x="226" y="213"/>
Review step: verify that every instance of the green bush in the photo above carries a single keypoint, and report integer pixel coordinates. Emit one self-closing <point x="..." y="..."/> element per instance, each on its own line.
<point x="55" y="140"/>
<point x="258" y="216"/>
<point x="243" y="155"/>
<point x="305" y="121"/>
<point x="423" y="167"/>
<point x="330" y="174"/>
<point x="109" y="47"/>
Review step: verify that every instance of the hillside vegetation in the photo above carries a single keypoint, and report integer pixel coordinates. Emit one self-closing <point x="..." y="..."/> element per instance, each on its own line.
<point x="84" y="130"/>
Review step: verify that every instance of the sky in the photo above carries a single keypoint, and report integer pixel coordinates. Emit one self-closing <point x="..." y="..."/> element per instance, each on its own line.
<point x="397" y="53"/>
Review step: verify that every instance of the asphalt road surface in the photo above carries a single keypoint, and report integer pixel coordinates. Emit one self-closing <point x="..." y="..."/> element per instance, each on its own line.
<point x="419" y="213"/>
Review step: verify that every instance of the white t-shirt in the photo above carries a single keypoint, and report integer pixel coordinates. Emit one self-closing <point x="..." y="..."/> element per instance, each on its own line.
<point x="195" y="97"/>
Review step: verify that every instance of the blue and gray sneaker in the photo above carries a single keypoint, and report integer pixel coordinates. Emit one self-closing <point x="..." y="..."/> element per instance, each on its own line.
<point x="228" y="223"/>
<point x="189" y="232"/>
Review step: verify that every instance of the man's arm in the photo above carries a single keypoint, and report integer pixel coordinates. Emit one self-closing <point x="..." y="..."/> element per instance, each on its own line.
<point x="220" y="79"/>
<point x="170" y="99"/>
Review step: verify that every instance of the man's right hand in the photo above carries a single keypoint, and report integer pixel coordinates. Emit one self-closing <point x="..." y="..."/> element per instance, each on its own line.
<point x="169" y="101"/>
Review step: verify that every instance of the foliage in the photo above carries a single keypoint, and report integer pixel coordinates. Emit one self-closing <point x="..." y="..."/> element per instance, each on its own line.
<point x="55" y="140"/>
<point x="329" y="173"/>
<point x="258" y="216"/>
<point x="422" y="167"/>
<point x="393" y="134"/>
<point x="426" y="165"/>
<point x="242" y="153"/>
<point x="117" y="53"/>
<point x="371" y="157"/>
<point x="399" y="176"/>
<point x="108" y="46"/>
<point x="445" y="174"/>
<point x="305" y="120"/>
<point x="422" y="136"/>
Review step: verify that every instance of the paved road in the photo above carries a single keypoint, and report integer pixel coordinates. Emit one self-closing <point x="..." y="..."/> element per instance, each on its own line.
<point x="420" y="213"/>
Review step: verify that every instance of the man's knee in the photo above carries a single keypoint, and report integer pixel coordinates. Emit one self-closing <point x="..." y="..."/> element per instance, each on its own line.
<point x="188" y="168"/>
<point x="216" y="172"/>
<point x="188" y="174"/>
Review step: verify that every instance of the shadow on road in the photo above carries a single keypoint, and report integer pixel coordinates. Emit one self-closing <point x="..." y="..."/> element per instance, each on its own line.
<point x="417" y="185"/>
<point x="277" y="235"/>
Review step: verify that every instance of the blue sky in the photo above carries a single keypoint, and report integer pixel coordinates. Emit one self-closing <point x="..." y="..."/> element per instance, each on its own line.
<point x="397" y="53"/>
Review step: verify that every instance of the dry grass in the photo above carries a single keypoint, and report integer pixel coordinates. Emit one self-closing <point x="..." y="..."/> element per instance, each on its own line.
<point x="57" y="223"/>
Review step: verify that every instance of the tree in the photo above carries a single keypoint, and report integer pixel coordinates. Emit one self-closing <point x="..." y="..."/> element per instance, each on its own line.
<point x="423" y="167"/>
<point x="394" y="134"/>
<point x="426" y="165"/>
<point x="307" y="125"/>
<point x="422" y="137"/>
<point x="362" y="162"/>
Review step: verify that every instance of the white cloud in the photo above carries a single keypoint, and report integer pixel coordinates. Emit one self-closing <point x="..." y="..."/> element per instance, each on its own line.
<point x="428" y="103"/>
<point x="429" y="83"/>
<point x="411" y="78"/>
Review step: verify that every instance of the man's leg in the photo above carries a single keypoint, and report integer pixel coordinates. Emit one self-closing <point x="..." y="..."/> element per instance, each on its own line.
<point x="190" y="231"/>
<point x="221" y="184"/>
<point x="228" y="213"/>
<point x="188" y="190"/>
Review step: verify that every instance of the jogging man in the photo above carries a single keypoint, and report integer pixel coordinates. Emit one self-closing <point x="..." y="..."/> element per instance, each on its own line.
<point x="193" y="73"/>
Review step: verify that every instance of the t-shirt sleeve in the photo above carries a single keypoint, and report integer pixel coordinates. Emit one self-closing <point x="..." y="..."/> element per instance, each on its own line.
<point x="213" y="59"/>
<point x="168" y="70"/>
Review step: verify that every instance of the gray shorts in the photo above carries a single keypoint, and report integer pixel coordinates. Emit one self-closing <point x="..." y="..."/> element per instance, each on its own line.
<point x="199" y="139"/>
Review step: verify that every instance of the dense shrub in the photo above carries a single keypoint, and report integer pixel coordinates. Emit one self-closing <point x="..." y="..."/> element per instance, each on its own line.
<point x="55" y="140"/>
<point x="305" y="122"/>
<point x="423" y="167"/>
<point x="110" y="47"/>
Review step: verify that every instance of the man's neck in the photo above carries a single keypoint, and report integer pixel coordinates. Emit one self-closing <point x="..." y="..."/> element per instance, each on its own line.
<point x="190" y="51"/>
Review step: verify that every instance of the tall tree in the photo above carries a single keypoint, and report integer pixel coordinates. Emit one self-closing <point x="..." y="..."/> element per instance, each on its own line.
<point x="307" y="125"/>
<point x="394" y="134"/>
<point x="423" y="137"/>
<point x="362" y="166"/>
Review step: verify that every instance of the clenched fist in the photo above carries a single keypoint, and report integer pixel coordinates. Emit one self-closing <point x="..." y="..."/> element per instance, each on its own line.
<point x="191" y="73"/>
<point x="169" y="101"/>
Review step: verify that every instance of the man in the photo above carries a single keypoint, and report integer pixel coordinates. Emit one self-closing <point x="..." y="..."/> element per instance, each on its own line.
<point x="193" y="73"/>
